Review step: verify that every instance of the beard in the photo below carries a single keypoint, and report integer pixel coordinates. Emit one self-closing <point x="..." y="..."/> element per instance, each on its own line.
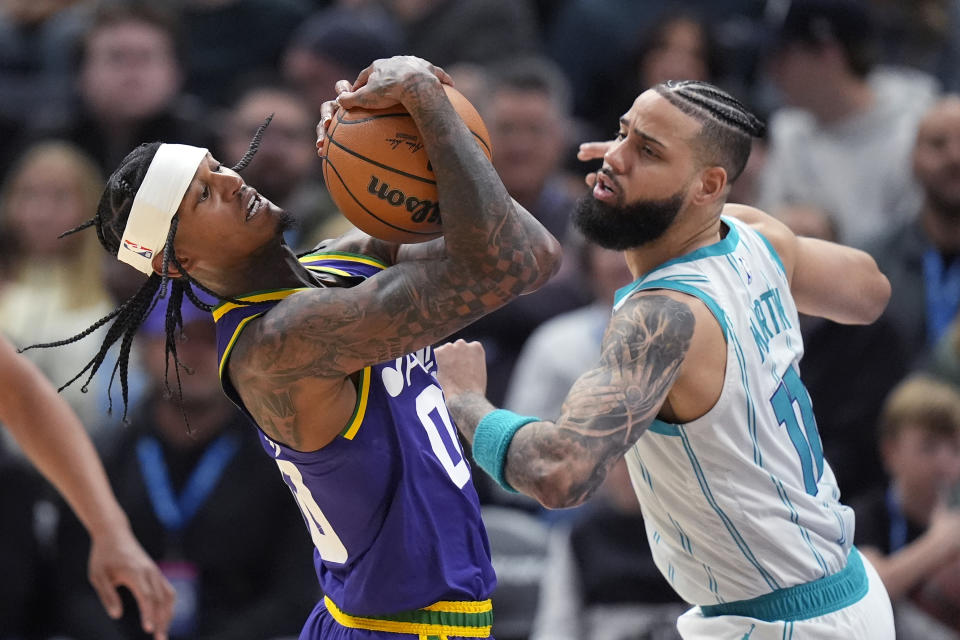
<point x="628" y="226"/>
<point x="285" y="221"/>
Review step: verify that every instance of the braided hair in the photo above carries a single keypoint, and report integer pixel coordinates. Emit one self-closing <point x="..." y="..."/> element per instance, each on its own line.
<point x="728" y="127"/>
<point x="110" y="222"/>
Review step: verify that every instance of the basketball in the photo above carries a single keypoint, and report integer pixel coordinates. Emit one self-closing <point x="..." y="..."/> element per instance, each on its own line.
<point x="378" y="174"/>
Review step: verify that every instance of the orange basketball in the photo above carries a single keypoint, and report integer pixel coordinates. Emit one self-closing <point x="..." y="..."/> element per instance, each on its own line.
<point x="378" y="173"/>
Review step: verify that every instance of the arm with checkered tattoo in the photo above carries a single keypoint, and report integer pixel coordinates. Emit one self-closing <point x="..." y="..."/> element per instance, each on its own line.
<point x="492" y="252"/>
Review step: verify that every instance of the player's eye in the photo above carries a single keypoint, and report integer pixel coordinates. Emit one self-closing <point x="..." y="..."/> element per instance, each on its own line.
<point x="620" y="135"/>
<point x="204" y="193"/>
<point x="217" y="169"/>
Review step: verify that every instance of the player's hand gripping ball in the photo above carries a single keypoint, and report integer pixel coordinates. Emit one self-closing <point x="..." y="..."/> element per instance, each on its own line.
<point x="378" y="173"/>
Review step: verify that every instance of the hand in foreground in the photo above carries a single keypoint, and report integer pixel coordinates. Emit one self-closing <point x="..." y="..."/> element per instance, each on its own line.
<point x="461" y="368"/>
<point x="386" y="82"/>
<point x="327" y="111"/>
<point x="118" y="559"/>
<point x="593" y="151"/>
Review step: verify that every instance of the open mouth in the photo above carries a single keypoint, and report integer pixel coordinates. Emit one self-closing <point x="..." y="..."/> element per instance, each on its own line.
<point x="254" y="206"/>
<point x="604" y="188"/>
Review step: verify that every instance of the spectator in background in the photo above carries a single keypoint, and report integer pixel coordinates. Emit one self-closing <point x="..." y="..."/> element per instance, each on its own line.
<point x="285" y="169"/>
<point x="920" y="258"/>
<point x="225" y="35"/>
<point x="679" y="45"/>
<point x="590" y="40"/>
<point x="336" y="44"/>
<point x="600" y="582"/>
<point x="907" y="530"/>
<point x="846" y="403"/>
<point x="129" y="81"/>
<point x="36" y="67"/>
<point x="526" y="110"/>
<point x="53" y="287"/>
<point x="188" y="492"/>
<point x="843" y="141"/>
<point x="481" y="31"/>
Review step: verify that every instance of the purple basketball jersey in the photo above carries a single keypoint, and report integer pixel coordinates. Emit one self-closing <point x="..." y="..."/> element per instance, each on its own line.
<point x="389" y="504"/>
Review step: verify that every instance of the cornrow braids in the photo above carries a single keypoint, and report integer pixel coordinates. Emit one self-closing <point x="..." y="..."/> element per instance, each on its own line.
<point x="254" y="146"/>
<point x="728" y="126"/>
<point x="110" y="221"/>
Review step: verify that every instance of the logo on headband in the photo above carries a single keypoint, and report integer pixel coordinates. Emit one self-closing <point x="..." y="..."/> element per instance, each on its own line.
<point x="142" y="251"/>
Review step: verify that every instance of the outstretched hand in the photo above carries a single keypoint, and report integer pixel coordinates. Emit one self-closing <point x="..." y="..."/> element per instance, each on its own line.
<point x="593" y="151"/>
<point x="118" y="559"/>
<point x="387" y="82"/>
<point x="327" y="111"/>
<point x="461" y="368"/>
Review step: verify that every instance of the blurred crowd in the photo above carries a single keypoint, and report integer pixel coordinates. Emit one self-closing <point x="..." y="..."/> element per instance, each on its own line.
<point x="862" y="103"/>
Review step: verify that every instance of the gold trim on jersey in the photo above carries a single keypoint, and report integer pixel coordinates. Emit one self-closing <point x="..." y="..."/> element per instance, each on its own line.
<point x="351" y="257"/>
<point x="233" y="339"/>
<point x="360" y="410"/>
<point x="334" y="270"/>
<point x="276" y="294"/>
<point x="434" y="621"/>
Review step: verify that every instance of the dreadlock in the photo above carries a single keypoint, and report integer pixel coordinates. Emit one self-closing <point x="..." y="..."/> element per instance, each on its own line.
<point x="110" y="221"/>
<point x="728" y="127"/>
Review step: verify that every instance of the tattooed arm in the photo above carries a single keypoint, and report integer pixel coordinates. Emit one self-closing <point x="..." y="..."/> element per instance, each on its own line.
<point x="297" y="357"/>
<point x="542" y="245"/>
<point x="608" y="408"/>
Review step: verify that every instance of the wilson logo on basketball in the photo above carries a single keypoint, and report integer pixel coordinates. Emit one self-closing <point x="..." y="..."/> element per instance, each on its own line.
<point x="421" y="210"/>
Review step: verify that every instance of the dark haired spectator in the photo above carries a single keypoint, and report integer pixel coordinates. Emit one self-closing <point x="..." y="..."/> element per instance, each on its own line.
<point x="596" y="42"/>
<point x="920" y="258"/>
<point x="204" y="502"/>
<point x="526" y="110"/>
<point x="337" y="44"/>
<point x="908" y="530"/>
<point x="286" y="168"/>
<point x="129" y="81"/>
<point x="843" y="141"/>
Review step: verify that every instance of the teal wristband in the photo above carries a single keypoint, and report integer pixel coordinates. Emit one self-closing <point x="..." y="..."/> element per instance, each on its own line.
<point x="492" y="439"/>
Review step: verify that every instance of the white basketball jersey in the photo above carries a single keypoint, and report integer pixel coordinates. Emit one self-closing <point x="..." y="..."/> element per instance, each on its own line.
<point x="740" y="502"/>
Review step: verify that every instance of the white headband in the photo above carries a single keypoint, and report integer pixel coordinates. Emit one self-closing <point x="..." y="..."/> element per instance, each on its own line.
<point x="157" y="200"/>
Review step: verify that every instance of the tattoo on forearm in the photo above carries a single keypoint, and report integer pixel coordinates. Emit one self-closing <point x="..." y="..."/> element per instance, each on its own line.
<point x="489" y="260"/>
<point x="612" y="405"/>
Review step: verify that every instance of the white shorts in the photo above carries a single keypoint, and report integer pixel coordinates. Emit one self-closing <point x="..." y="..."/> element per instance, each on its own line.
<point x="869" y="618"/>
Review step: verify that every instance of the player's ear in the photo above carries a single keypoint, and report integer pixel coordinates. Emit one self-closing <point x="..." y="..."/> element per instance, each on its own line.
<point x="172" y="270"/>
<point x="713" y="181"/>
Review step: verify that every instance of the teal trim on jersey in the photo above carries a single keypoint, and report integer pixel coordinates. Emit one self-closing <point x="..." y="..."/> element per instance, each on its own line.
<point x="712" y="583"/>
<point x="690" y="290"/>
<point x="684" y="538"/>
<point x="803" y="601"/>
<point x="721" y="248"/>
<point x="773" y="253"/>
<point x="795" y="519"/>
<point x="727" y="522"/>
<point x="786" y="626"/>
<point x="751" y="408"/>
<point x="843" y="528"/>
<point x="663" y="428"/>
